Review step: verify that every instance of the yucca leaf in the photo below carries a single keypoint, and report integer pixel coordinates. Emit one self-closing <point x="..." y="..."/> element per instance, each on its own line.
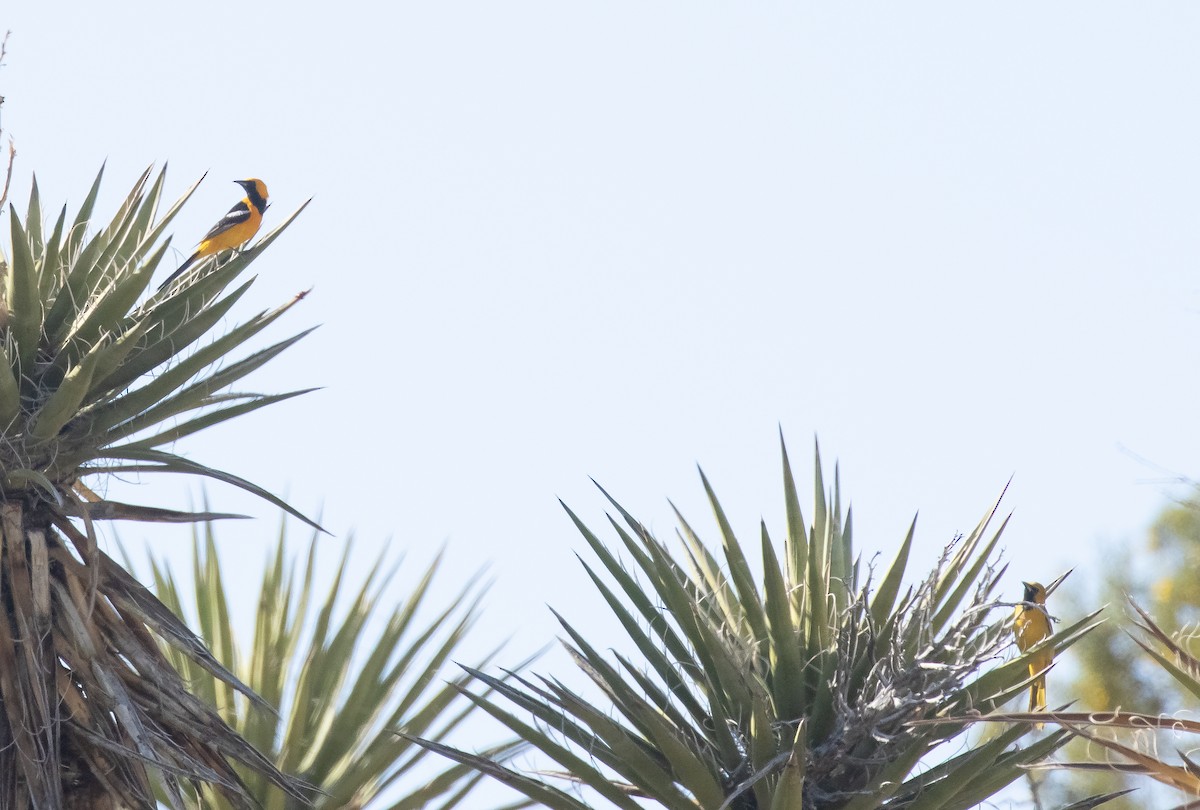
<point x="841" y="568"/>
<point x="365" y="703"/>
<point x="1181" y="779"/>
<point x="764" y="747"/>
<point x="25" y="309"/>
<point x="64" y="403"/>
<point x="108" y="263"/>
<point x="577" y="765"/>
<point x="114" y="510"/>
<point x="1188" y="663"/>
<point x="691" y="770"/>
<point x="739" y="568"/>
<point x="1009" y="767"/>
<point x="330" y="643"/>
<point x="548" y="711"/>
<point x="213" y="613"/>
<point x="664" y="702"/>
<point x="950" y="575"/>
<point x="786" y="667"/>
<point x="674" y="646"/>
<point x="819" y="631"/>
<point x="534" y="789"/>
<point x="968" y="577"/>
<point x="711" y="589"/>
<point x="159" y="461"/>
<point x="822" y="713"/>
<point x="196" y="395"/>
<point x="131" y="408"/>
<point x="137" y="246"/>
<point x="126" y="209"/>
<point x="33" y="220"/>
<point x="124" y="234"/>
<point x="789" y="793"/>
<point x="1185" y="678"/>
<point x="1095" y="801"/>
<point x="629" y="586"/>
<point x="457" y="782"/>
<point x="729" y="676"/>
<point x="215" y="279"/>
<point x="645" y="763"/>
<point x="110" y="357"/>
<point x="1116" y="718"/>
<point x="432" y="719"/>
<point x="606" y="677"/>
<point x="668" y="582"/>
<point x="849" y="561"/>
<point x="797" y="536"/>
<point x="10" y="392"/>
<point x="79" y="226"/>
<point x="265" y="241"/>
<point x="328" y="678"/>
<point x="162" y="343"/>
<point x="215" y="417"/>
<point x="75" y="290"/>
<point x="889" y="587"/>
<point x="276" y="635"/>
<point x="156" y="232"/>
<point x="821" y="522"/>
<point x="49" y="254"/>
<point x="106" y="308"/>
<point x="658" y="659"/>
<point x="23" y="478"/>
<point x="936" y="790"/>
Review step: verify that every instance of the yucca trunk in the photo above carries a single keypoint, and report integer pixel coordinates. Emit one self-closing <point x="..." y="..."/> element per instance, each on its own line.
<point x="85" y="688"/>
<point x="97" y="377"/>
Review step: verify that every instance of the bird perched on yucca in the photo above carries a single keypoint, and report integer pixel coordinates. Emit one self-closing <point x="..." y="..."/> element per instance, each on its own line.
<point x="1031" y="624"/>
<point x="234" y="229"/>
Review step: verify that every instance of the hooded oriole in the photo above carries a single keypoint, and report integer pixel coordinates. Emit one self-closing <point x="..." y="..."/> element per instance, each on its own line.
<point x="234" y="229"/>
<point x="1031" y="624"/>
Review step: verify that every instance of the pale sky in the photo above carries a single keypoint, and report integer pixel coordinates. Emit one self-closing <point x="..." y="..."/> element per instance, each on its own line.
<point x="957" y="242"/>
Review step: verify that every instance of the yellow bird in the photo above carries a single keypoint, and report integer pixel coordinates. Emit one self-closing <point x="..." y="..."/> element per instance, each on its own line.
<point x="235" y="228"/>
<point x="1031" y="624"/>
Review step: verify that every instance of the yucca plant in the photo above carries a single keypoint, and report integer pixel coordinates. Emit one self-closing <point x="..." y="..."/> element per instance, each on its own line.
<point x="346" y="670"/>
<point x="98" y="377"/>
<point x="793" y="686"/>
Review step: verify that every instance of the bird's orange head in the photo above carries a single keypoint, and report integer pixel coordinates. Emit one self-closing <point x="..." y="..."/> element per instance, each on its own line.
<point x="1034" y="592"/>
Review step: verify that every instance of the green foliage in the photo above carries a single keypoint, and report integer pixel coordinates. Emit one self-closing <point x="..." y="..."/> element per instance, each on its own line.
<point x="1155" y="651"/>
<point x="95" y="377"/>
<point x="1157" y="572"/>
<point x="346" y="670"/>
<point x="794" y="686"/>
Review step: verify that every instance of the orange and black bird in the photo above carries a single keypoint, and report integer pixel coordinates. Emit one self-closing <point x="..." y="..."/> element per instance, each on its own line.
<point x="235" y="228"/>
<point x="1031" y="624"/>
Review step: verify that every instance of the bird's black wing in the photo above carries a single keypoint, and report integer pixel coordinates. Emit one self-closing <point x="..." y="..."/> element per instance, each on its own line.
<point x="236" y="216"/>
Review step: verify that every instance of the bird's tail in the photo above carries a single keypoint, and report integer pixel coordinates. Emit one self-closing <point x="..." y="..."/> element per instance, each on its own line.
<point x="1037" y="696"/>
<point x="188" y="262"/>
